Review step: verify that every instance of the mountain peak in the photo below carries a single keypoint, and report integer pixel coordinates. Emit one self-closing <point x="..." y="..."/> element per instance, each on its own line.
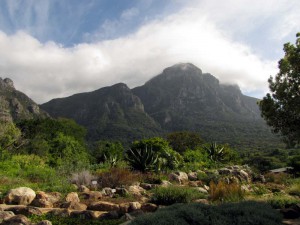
<point x="188" y="67"/>
<point x="6" y="83"/>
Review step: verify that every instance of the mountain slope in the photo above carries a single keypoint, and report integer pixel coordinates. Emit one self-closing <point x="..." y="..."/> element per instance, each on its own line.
<point x="15" y="105"/>
<point x="184" y="98"/>
<point x="108" y="113"/>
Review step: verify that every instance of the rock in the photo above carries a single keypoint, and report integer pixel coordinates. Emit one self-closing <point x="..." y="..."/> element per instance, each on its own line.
<point x="107" y="191"/>
<point x="147" y="186"/>
<point x="86" y="214"/>
<point x="178" y="177"/>
<point x="124" y="208"/>
<point x="122" y="191"/>
<point x="44" y="222"/>
<point x="245" y="176"/>
<point x="20" y="196"/>
<point x="149" y="207"/>
<point x="5" y="215"/>
<point x="202" y="190"/>
<point x="136" y="190"/>
<point x="110" y="215"/>
<point x="165" y="183"/>
<point x="17" y="220"/>
<point x="193" y="176"/>
<point x="74" y="206"/>
<point x="103" y="206"/>
<point x="72" y="197"/>
<point x="60" y="212"/>
<point x="46" y="200"/>
<point x="83" y="188"/>
<point x="27" y="211"/>
<point x="133" y="206"/>
<point x="206" y="187"/>
<point x="92" y="195"/>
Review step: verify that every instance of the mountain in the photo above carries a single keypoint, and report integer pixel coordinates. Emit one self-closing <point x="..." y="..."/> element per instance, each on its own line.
<point x="184" y="98"/>
<point x="180" y="98"/>
<point x="15" y="105"/>
<point x="108" y="113"/>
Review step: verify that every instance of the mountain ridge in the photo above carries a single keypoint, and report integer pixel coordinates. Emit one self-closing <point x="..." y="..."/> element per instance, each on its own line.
<point x="182" y="97"/>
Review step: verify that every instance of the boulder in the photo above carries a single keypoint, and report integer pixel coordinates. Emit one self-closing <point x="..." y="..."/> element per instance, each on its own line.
<point x="92" y="195"/>
<point x="165" y="183"/>
<point x="5" y="215"/>
<point x="86" y="214"/>
<point x="202" y="200"/>
<point x="103" y="206"/>
<point x="147" y="186"/>
<point x="202" y="190"/>
<point x="124" y="208"/>
<point x="133" y="206"/>
<point x="136" y="190"/>
<point x="290" y="213"/>
<point x="193" y="176"/>
<point x="149" y="207"/>
<point x="83" y="188"/>
<point x="46" y="200"/>
<point x="244" y="176"/>
<point x="27" y="211"/>
<point x="178" y="177"/>
<point x="20" y="196"/>
<point x="60" y="212"/>
<point x="74" y="206"/>
<point x="72" y="197"/>
<point x="16" y="220"/>
<point x="108" y="191"/>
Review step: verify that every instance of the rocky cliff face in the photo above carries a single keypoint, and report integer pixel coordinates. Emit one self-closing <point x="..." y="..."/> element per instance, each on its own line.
<point x="14" y="105"/>
<point x="108" y="113"/>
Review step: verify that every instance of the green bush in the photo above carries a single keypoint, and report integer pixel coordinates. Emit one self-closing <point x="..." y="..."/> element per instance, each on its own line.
<point x="243" y="213"/>
<point x="282" y="201"/>
<point x="174" y="194"/>
<point x="58" y="220"/>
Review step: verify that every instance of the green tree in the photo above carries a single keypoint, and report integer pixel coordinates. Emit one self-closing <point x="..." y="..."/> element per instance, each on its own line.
<point x="10" y="137"/>
<point x="182" y="140"/>
<point x="281" y="107"/>
<point x="105" y="149"/>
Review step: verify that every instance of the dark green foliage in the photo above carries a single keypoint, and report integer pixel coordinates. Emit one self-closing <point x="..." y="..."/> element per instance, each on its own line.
<point x="183" y="140"/>
<point x="281" y="107"/>
<point x="167" y="157"/>
<point x="215" y="152"/>
<point x="111" y="151"/>
<point x="144" y="159"/>
<point x="58" y="220"/>
<point x="294" y="162"/>
<point x="174" y="194"/>
<point x="243" y="213"/>
<point x="280" y="202"/>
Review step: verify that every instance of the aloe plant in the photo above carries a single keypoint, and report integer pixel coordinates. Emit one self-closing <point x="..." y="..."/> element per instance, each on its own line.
<point x="216" y="153"/>
<point x="142" y="159"/>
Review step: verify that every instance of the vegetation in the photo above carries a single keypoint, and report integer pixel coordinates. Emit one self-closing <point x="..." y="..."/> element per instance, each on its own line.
<point x="222" y="192"/>
<point x="244" y="213"/>
<point x="173" y="194"/>
<point x="281" y="107"/>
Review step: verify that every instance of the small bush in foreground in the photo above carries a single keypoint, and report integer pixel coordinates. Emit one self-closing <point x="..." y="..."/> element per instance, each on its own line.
<point x="175" y="194"/>
<point x="223" y="192"/>
<point x="243" y="213"/>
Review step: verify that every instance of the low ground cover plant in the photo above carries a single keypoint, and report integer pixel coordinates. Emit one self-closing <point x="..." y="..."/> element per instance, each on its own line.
<point x="243" y="213"/>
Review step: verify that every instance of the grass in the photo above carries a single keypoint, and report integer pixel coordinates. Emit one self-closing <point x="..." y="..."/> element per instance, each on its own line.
<point x="222" y="192"/>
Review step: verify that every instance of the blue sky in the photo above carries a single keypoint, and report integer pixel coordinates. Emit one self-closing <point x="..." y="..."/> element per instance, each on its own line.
<point x="55" y="48"/>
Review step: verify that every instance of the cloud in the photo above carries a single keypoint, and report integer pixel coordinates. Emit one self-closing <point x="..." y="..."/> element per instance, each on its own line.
<point x="46" y="71"/>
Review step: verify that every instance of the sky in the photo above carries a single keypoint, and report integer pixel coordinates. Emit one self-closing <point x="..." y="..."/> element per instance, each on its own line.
<point x="56" y="48"/>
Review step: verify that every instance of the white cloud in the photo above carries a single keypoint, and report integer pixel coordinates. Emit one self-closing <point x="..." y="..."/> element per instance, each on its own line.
<point x="46" y="71"/>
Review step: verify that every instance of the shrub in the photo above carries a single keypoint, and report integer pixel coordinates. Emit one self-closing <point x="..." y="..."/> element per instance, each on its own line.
<point x="82" y="178"/>
<point x="260" y="189"/>
<point x="294" y="189"/>
<point x="278" y="178"/>
<point x="243" y="213"/>
<point x="117" y="177"/>
<point x="153" y="178"/>
<point x="223" y="192"/>
<point x="174" y="194"/>
<point x="282" y="201"/>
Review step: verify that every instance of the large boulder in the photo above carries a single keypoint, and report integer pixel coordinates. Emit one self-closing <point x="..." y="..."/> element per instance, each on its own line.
<point x="25" y="210"/>
<point x="72" y="197"/>
<point x="103" y="206"/>
<point x="136" y="190"/>
<point x="20" y="196"/>
<point x="91" y="195"/>
<point x="74" y="206"/>
<point x="46" y="200"/>
<point x="179" y="177"/>
<point x="5" y="215"/>
<point x="16" y="220"/>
